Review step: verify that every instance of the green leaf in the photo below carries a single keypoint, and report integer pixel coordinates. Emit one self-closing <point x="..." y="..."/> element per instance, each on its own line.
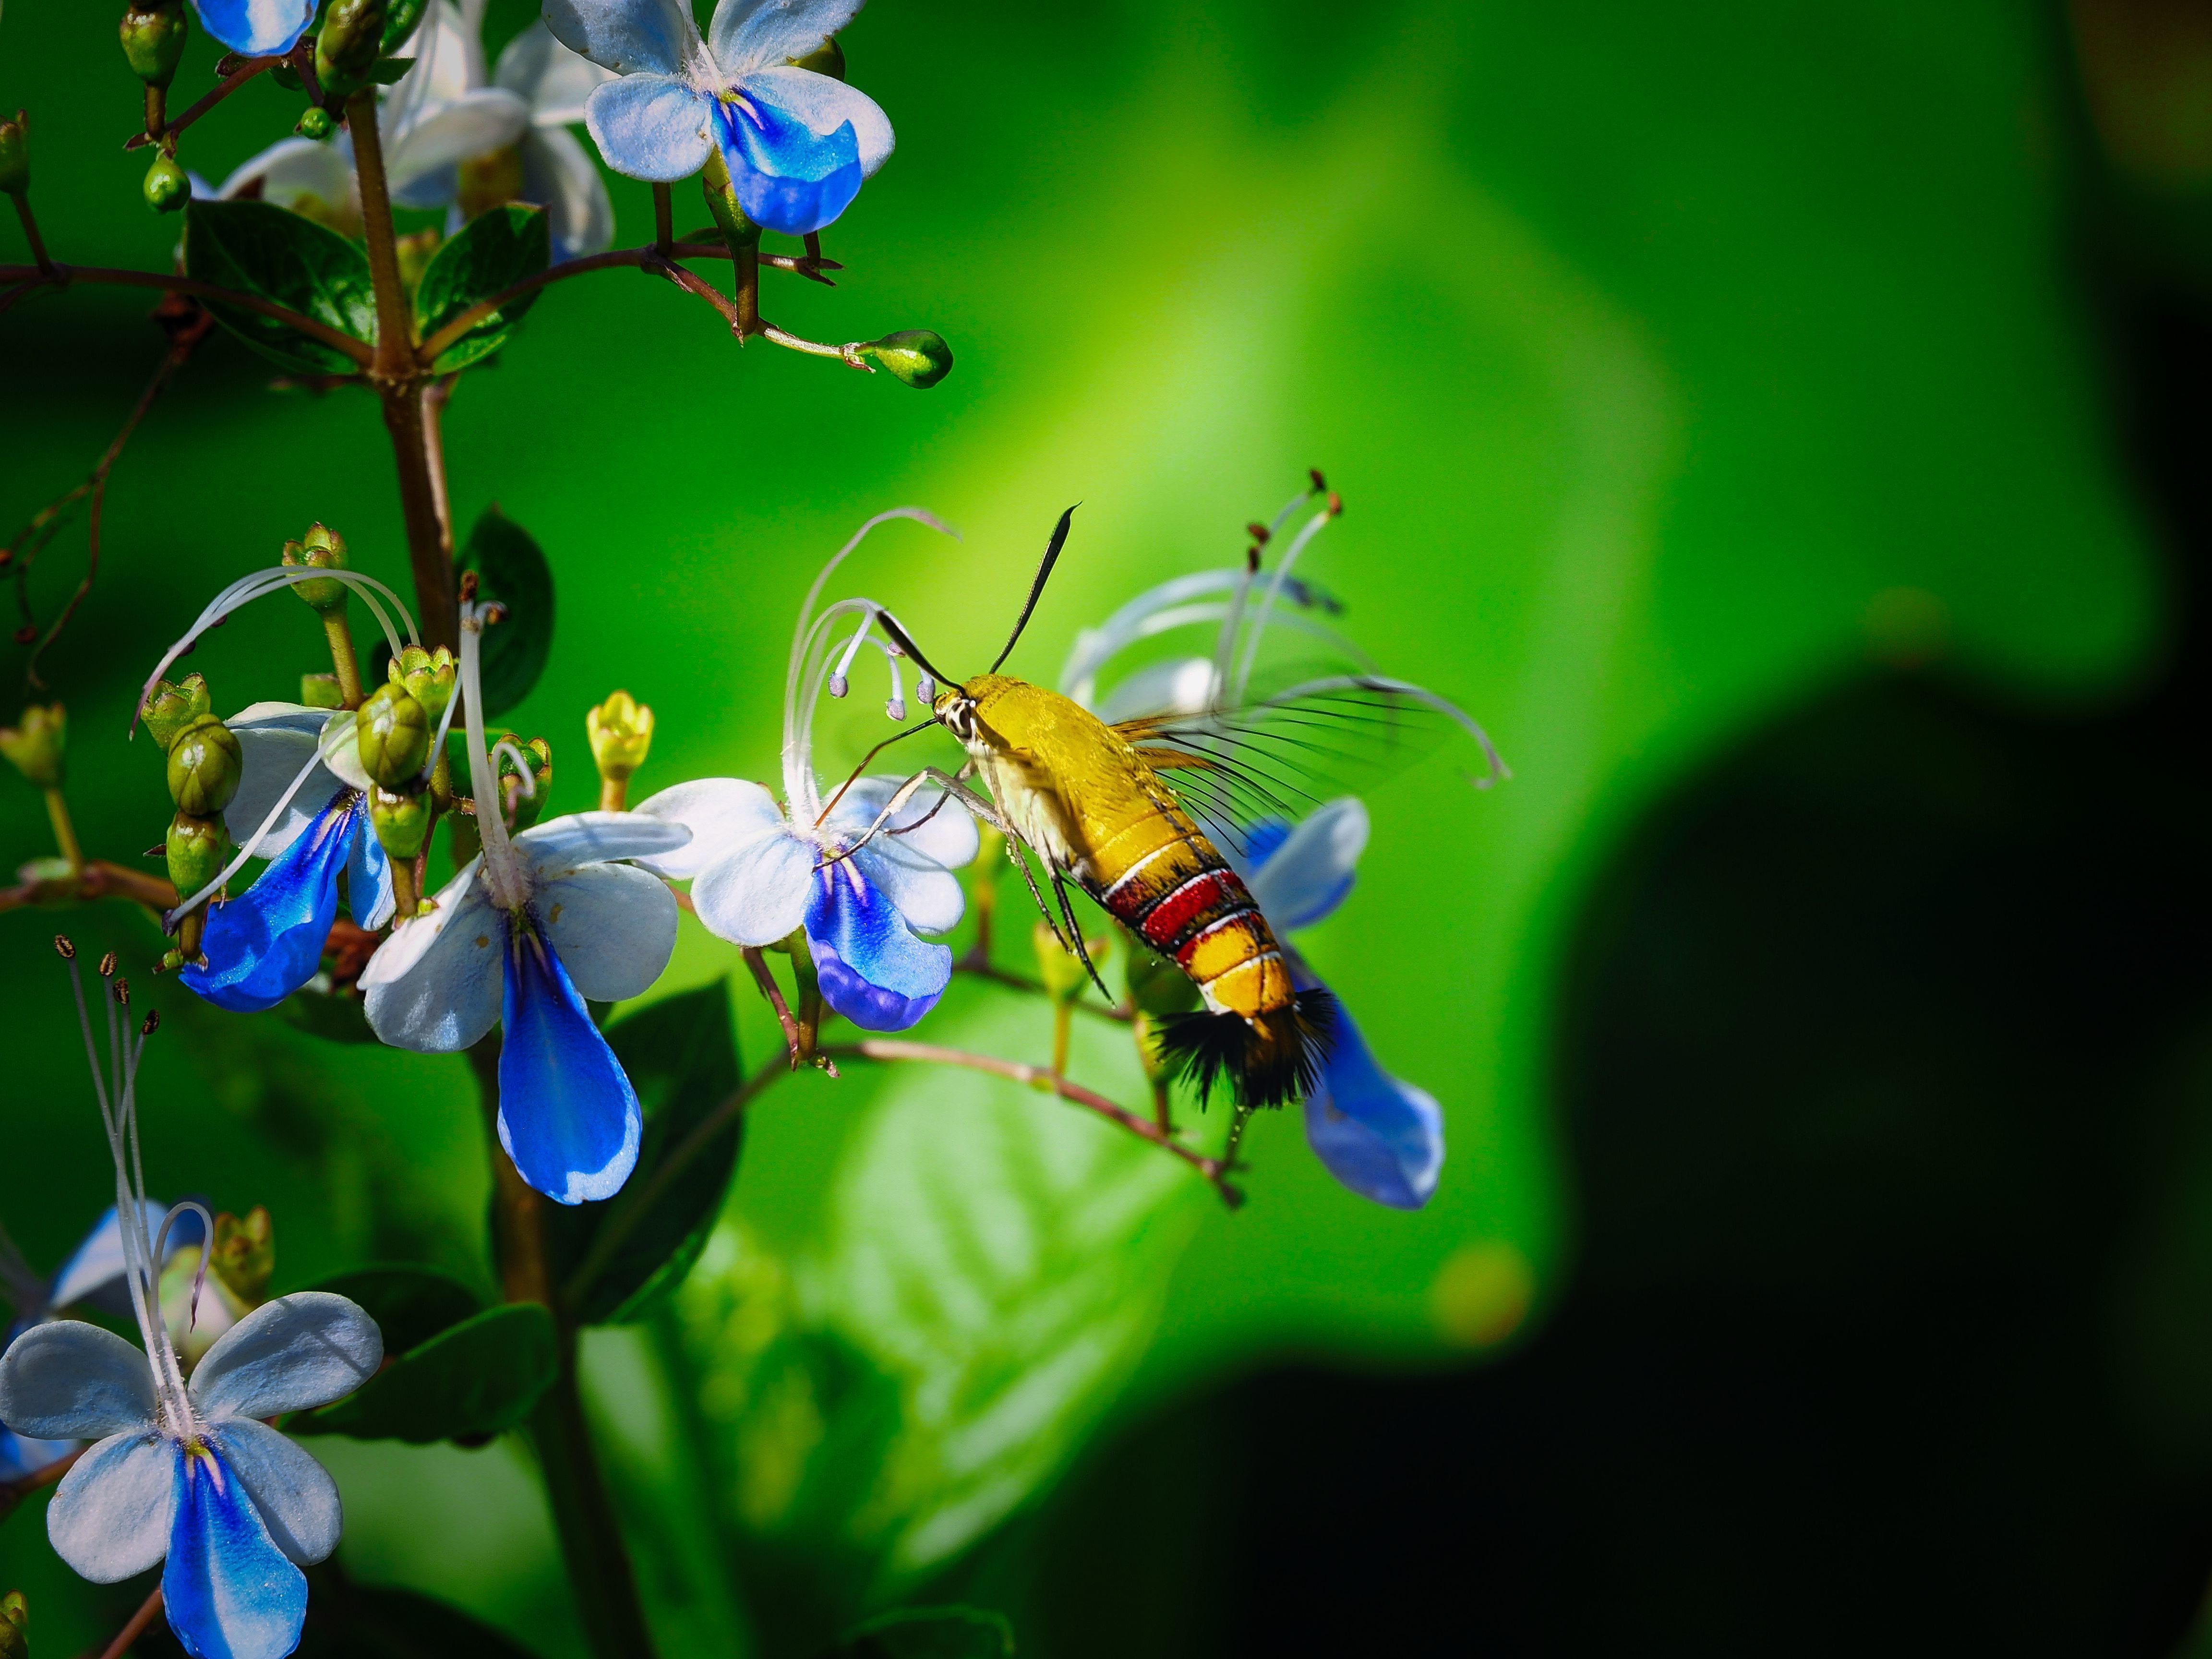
<point x="359" y="1621"/>
<point x="410" y="1304"/>
<point x="493" y="253"/>
<point x="319" y="1013"/>
<point x="681" y="1057"/>
<point x="510" y="568"/>
<point x="477" y="1379"/>
<point x="931" y="1634"/>
<point x="258" y="248"/>
<point x="391" y="70"/>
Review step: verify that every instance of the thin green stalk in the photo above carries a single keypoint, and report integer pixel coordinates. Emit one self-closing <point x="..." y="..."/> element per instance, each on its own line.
<point x="64" y="831"/>
<point x="342" y="658"/>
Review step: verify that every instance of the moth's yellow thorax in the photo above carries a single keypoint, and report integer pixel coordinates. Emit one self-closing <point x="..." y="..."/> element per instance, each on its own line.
<point x="1070" y="784"/>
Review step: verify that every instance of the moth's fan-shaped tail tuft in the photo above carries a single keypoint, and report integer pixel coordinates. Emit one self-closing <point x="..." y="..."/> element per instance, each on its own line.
<point x="1270" y="1061"/>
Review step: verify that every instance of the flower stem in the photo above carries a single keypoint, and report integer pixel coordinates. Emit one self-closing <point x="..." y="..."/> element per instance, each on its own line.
<point x="38" y="255"/>
<point x="343" y="659"/>
<point x="137" y="1626"/>
<point x="1063" y="1026"/>
<point x="64" y="830"/>
<point x="397" y="374"/>
<point x="157" y="110"/>
<point x="599" y="1572"/>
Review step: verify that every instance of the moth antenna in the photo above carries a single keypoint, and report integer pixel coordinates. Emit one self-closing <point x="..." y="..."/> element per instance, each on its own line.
<point x="1036" y="587"/>
<point x="904" y="640"/>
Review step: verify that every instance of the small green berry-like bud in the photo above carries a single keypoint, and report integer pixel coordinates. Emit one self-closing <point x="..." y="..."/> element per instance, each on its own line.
<point x="351" y="41"/>
<point x="428" y="676"/>
<point x="1061" y="970"/>
<point x="14" y="1625"/>
<point x="36" y="744"/>
<point x="621" y="732"/>
<point x="170" y="708"/>
<point x="204" y="767"/>
<point x="15" y="155"/>
<point x="1156" y="986"/>
<point x="402" y="821"/>
<point x="520" y="811"/>
<point x="321" y="691"/>
<point x="153" y="33"/>
<point x="393" y="735"/>
<point x="324" y="549"/>
<point x="245" y="1255"/>
<point x="318" y="124"/>
<point x="167" y="190"/>
<point x="914" y="357"/>
<point x="198" y="848"/>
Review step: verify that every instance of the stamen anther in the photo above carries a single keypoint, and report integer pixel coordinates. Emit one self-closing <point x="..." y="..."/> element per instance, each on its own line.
<point x="62" y="945"/>
<point x="153" y="1022"/>
<point x="108" y="965"/>
<point x="1320" y="484"/>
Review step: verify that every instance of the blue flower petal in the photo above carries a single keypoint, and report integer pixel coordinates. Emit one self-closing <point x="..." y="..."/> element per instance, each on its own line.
<point x="1263" y="840"/>
<point x="368" y="878"/>
<point x="1383" y="1138"/>
<point x="229" y="1590"/>
<point x="567" y="1116"/>
<point x="873" y="970"/>
<point x="266" y="943"/>
<point x="788" y="177"/>
<point x="94" y="1273"/>
<point x="259" y="28"/>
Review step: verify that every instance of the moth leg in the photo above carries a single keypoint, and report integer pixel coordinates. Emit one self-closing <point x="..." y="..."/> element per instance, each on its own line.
<point x="1079" y="950"/>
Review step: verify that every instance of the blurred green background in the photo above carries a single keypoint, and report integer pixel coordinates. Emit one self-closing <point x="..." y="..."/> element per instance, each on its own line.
<point x="1681" y="367"/>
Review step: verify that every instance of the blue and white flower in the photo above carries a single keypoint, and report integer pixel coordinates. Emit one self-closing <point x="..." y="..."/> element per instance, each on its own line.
<point x="521" y="938"/>
<point x="798" y="144"/>
<point x="302" y="803"/>
<point x="760" y="872"/>
<point x="259" y="29"/>
<point x="92" y="1277"/>
<point x="1383" y="1138"/>
<point x="188" y="1473"/>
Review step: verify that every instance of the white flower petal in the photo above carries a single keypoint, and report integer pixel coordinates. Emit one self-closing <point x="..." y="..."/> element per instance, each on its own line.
<point x="294" y="169"/>
<point x="657" y="37"/>
<point x="474" y="125"/>
<point x="760" y="895"/>
<point x="297" y="1498"/>
<point x="559" y="174"/>
<point x="750" y="34"/>
<point x="548" y="77"/>
<point x="575" y="839"/>
<point x="928" y="895"/>
<point x="448" y="63"/>
<point x="290" y="1355"/>
<point x="274" y="740"/>
<point x="435" y="984"/>
<point x="613" y="926"/>
<point x="651" y="126"/>
<point x="110" y="1515"/>
<point x="937" y="835"/>
<point x="825" y="104"/>
<point x="1307" y="876"/>
<point x="723" y="815"/>
<point x="69" y="1381"/>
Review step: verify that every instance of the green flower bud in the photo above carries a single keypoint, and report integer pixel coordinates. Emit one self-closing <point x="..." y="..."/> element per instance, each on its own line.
<point x="402" y="821"/>
<point x="1156" y="986"/>
<point x="428" y="676"/>
<point x="15" y="155"/>
<point x="351" y="41"/>
<point x="170" y="708"/>
<point x="1062" y="971"/>
<point x="167" y="188"/>
<point x="245" y="1255"/>
<point x="321" y="691"/>
<point x="35" y="746"/>
<point x="15" y="1626"/>
<point x="318" y="124"/>
<point x="914" y="357"/>
<point x="393" y="735"/>
<point x="197" y="849"/>
<point x="153" y="33"/>
<point x="520" y="811"/>
<point x="400" y="18"/>
<point x="323" y="549"/>
<point x="621" y="733"/>
<point x="204" y="767"/>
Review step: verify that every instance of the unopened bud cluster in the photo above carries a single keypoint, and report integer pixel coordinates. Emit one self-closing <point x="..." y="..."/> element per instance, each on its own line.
<point x="202" y="769"/>
<point x="323" y="548"/>
<point x="37" y="744"/>
<point x="620" y="731"/>
<point x="153" y="34"/>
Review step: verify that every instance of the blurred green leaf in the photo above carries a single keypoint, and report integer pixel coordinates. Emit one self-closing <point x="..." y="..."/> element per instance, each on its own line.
<point x="410" y="1304"/>
<point x="681" y="1054"/>
<point x="478" y="1379"/>
<point x="335" y="1019"/>
<point x="931" y="1634"/>
<point x="511" y="569"/>
<point x="361" y="1621"/>
<point x="259" y="248"/>
<point x="492" y="252"/>
<point x="391" y="71"/>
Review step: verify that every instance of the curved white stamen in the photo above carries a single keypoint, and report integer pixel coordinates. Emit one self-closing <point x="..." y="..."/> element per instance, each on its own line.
<point x="326" y="745"/>
<point x="207" y="1251"/>
<point x="801" y="788"/>
<point x="1082" y="686"/>
<point x="1312" y="528"/>
<point x="505" y="877"/>
<point x="438" y="745"/>
<point x="248" y="588"/>
<point x="896" y="708"/>
<point x="853" y="648"/>
<point x="523" y="765"/>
